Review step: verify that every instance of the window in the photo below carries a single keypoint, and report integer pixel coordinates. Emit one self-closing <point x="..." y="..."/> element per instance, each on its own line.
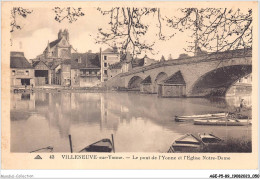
<point x="25" y="82"/>
<point x="27" y="73"/>
<point x="105" y="72"/>
<point x="105" y="64"/>
<point x="105" y="57"/>
<point x="13" y="72"/>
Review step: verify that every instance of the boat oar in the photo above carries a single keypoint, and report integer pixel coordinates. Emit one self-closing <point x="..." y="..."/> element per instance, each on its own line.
<point x="113" y="144"/>
<point x="70" y="144"/>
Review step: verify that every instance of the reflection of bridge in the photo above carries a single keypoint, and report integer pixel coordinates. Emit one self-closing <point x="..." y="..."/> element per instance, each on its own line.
<point x="211" y="74"/>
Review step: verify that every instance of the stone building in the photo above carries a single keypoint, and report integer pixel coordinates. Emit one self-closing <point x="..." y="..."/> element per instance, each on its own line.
<point x="22" y="72"/>
<point x="85" y="69"/>
<point x="108" y="57"/>
<point x="140" y="62"/>
<point x="42" y="73"/>
<point x="59" y="49"/>
<point x="61" y="65"/>
<point x="174" y="86"/>
<point x="123" y="66"/>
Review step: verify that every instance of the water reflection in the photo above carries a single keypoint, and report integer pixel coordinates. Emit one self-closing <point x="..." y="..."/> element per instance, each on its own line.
<point x="140" y="123"/>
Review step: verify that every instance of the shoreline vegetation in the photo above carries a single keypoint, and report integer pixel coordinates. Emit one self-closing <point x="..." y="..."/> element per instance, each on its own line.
<point x="231" y="145"/>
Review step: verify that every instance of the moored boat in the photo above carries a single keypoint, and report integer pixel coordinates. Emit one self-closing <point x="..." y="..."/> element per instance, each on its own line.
<point x="209" y="138"/>
<point x="201" y="117"/>
<point x="227" y="122"/>
<point x="43" y="150"/>
<point x="104" y="145"/>
<point x="186" y="143"/>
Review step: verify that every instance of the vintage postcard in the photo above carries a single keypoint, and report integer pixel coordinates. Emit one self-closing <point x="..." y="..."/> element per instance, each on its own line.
<point x="129" y="85"/>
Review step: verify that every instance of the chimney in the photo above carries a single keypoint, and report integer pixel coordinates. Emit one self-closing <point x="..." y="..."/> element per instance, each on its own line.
<point x="128" y="57"/>
<point x="115" y="50"/>
<point x="100" y="53"/>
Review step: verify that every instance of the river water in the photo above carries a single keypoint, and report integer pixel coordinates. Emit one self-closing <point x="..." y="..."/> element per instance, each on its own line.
<point x="139" y="122"/>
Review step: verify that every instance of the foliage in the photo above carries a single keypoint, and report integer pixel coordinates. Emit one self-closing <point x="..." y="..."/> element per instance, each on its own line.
<point x="212" y="29"/>
<point x="215" y="29"/>
<point x="231" y="145"/>
<point x="69" y="13"/>
<point x="18" y="11"/>
<point x="128" y="28"/>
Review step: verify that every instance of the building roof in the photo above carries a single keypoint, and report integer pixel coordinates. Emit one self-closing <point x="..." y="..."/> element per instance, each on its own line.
<point x="110" y="50"/>
<point x="85" y="60"/>
<point x="17" y="54"/>
<point x="17" y="60"/>
<point x="55" y="42"/>
<point x="147" y="80"/>
<point x="176" y="78"/>
<point x="137" y="62"/>
<point x="37" y="62"/>
<point x="117" y="65"/>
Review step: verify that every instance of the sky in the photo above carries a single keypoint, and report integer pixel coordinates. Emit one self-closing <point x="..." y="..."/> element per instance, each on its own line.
<point x="39" y="28"/>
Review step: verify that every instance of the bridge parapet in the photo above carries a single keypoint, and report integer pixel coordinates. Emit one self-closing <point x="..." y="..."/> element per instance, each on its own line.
<point x="195" y="59"/>
<point x="202" y="74"/>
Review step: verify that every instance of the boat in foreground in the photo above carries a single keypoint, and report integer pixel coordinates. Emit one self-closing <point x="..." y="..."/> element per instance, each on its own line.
<point x="43" y="150"/>
<point x="226" y="122"/>
<point x="209" y="138"/>
<point x="186" y="143"/>
<point x="104" y="145"/>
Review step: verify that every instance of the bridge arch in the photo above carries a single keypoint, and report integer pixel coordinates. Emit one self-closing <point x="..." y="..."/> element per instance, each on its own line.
<point x="218" y="81"/>
<point x="158" y="79"/>
<point x="135" y="82"/>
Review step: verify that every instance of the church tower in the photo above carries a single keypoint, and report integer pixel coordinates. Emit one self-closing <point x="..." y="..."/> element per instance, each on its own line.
<point x="64" y="34"/>
<point x="60" y="34"/>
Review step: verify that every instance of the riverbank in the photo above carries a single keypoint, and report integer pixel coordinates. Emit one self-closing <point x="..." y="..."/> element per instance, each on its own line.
<point x="232" y="145"/>
<point x="56" y="88"/>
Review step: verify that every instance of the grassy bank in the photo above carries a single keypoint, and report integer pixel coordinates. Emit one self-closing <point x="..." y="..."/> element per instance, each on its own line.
<point x="232" y="145"/>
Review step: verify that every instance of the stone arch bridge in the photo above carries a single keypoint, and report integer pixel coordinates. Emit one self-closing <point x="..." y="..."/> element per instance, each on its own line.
<point x="207" y="75"/>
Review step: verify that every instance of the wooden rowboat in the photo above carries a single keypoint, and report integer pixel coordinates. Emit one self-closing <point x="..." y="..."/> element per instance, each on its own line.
<point x="209" y="138"/>
<point x="104" y="145"/>
<point x="186" y="143"/>
<point x="180" y="119"/>
<point x="43" y="150"/>
<point x="203" y="116"/>
<point x="227" y="122"/>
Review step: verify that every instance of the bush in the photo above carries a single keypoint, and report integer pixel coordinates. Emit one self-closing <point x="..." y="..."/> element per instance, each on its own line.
<point x="241" y="145"/>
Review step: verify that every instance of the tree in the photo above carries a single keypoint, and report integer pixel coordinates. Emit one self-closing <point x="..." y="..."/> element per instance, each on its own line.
<point x="215" y="29"/>
<point x="69" y="13"/>
<point x="212" y="29"/>
<point x="15" y="12"/>
<point x="128" y="28"/>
